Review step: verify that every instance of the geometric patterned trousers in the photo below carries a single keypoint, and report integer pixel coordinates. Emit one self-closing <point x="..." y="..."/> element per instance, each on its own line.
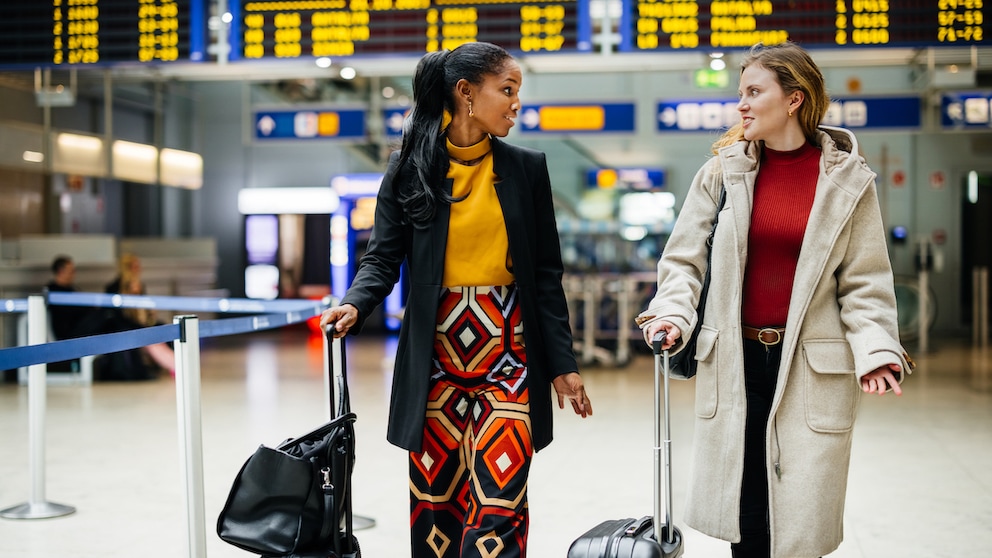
<point x="468" y="485"/>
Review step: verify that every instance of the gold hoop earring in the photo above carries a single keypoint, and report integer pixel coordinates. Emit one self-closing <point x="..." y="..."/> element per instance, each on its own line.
<point x="471" y="113"/>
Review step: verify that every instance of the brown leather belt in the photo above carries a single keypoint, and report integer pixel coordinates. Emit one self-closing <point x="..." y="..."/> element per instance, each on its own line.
<point x="768" y="336"/>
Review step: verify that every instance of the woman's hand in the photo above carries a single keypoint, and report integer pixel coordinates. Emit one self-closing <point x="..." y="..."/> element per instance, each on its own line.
<point x="570" y="386"/>
<point x="672" y="333"/>
<point x="343" y="317"/>
<point x="874" y="381"/>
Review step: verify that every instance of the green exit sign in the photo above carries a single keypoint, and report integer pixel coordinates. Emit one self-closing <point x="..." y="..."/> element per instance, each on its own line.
<point x="711" y="79"/>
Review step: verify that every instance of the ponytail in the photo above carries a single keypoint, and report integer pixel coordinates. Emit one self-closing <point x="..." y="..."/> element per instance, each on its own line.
<point x="423" y="139"/>
<point x="424" y="151"/>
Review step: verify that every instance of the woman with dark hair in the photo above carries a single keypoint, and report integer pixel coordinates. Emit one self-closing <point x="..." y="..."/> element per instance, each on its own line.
<point x="800" y="316"/>
<point x="485" y="333"/>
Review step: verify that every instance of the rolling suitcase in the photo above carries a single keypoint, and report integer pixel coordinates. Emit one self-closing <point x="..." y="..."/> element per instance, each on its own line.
<point x="651" y="536"/>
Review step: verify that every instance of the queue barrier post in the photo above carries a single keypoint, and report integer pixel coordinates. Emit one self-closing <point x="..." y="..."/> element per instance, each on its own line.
<point x="187" y="349"/>
<point x="924" y="275"/>
<point x="980" y="306"/>
<point x="37" y="507"/>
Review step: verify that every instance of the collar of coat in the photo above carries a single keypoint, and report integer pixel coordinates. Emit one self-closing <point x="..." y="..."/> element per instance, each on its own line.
<point x="841" y="160"/>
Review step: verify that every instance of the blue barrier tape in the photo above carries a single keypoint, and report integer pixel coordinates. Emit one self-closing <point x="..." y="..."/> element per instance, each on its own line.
<point x="229" y="326"/>
<point x="13" y="305"/>
<point x="93" y="345"/>
<point x="181" y="303"/>
<point x="69" y="349"/>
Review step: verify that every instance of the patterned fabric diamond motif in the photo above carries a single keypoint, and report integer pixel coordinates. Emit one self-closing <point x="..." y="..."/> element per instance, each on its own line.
<point x="437" y="541"/>
<point x="490" y="545"/>
<point x="504" y="458"/>
<point x="427" y="460"/>
<point x="467" y="336"/>
<point x="503" y="462"/>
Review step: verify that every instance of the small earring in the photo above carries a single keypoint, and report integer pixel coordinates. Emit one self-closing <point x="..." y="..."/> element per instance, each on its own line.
<point x="471" y="113"/>
<point x="790" y="113"/>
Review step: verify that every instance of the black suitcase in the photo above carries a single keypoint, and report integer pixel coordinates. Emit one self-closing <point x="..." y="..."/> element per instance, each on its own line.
<point x="651" y="536"/>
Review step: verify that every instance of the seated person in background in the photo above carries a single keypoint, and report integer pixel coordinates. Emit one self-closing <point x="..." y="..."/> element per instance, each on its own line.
<point x="127" y="265"/>
<point x="68" y="322"/>
<point x="131" y="285"/>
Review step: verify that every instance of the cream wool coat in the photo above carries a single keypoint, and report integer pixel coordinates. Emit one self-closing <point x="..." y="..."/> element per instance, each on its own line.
<point x="841" y="325"/>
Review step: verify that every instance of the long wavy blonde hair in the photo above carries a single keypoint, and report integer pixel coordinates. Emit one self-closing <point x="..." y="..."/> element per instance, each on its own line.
<point x="795" y="71"/>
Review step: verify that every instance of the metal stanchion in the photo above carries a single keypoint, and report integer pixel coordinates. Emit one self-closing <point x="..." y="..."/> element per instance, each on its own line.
<point x="589" y="290"/>
<point x="190" y="433"/>
<point x="976" y="306"/>
<point x="924" y="321"/>
<point x="37" y="507"/>
<point x="983" y="297"/>
<point x="625" y="286"/>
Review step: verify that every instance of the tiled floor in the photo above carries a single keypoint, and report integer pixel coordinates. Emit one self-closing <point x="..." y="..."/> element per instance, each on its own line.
<point x="921" y="478"/>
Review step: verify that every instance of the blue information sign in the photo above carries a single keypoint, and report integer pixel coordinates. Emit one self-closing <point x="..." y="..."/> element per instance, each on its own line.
<point x="719" y="114"/>
<point x="310" y="124"/>
<point x="577" y="118"/>
<point x="966" y="110"/>
<point x="626" y="178"/>
<point x="393" y="119"/>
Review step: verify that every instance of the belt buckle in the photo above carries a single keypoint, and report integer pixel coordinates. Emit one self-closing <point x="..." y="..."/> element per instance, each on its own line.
<point x="764" y="330"/>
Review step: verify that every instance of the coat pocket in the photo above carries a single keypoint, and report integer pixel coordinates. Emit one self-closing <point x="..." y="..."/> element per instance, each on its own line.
<point x="708" y="372"/>
<point x="831" y="388"/>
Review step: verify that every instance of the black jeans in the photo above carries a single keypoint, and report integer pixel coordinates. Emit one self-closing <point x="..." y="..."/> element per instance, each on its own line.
<point x="760" y="373"/>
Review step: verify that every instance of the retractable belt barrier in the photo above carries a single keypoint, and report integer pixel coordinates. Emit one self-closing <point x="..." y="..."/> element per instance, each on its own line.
<point x="280" y="313"/>
<point x="186" y="331"/>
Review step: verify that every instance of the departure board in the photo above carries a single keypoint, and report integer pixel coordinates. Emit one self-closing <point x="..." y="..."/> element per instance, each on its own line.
<point x="315" y="28"/>
<point x="716" y="24"/>
<point x="86" y="32"/>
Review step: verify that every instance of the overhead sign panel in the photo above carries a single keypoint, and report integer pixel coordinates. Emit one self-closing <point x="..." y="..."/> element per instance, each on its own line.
<point x="716" y="24"/>
<point x="577" y="118"/>
<point x="720" y="114"/>
<point x="315" y="28"/>
<point x="310" y="124"/>
<point x="88" y="32"/>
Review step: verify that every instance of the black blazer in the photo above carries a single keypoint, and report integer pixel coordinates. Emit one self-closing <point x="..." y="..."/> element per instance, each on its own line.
<point x="524" y="191"/>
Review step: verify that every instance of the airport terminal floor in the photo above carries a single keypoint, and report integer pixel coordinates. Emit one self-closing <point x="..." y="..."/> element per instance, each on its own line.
<point x="920" y="475"/>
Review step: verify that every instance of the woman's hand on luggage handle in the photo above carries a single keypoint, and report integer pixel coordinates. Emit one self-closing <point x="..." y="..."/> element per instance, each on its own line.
<point x="874" y="381"/>
<point x="343" y="317"/>
<point x="672" y="333"/>
<point x="570" y="386"/>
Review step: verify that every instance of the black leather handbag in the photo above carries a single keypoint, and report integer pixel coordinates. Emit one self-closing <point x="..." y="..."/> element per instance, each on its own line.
<point x="682" y="365"/>
<point x="295" y="500"/>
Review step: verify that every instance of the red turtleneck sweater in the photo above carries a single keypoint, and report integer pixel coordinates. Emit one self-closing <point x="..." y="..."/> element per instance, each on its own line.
<point x="783" y="198"/>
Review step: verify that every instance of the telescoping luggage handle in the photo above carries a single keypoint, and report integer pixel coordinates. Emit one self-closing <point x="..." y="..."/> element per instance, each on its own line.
<point x="339" y="401"/>
<point x="663" y="530"/>
<point x="335" y="377"/>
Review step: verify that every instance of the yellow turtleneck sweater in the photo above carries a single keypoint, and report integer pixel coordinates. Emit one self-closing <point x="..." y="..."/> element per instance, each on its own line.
<point x="477" y="253"/>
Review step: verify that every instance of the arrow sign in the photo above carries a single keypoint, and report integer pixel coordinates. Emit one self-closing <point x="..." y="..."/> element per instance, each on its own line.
<point x="266" y="125"/>
<point x="312" y="124"/>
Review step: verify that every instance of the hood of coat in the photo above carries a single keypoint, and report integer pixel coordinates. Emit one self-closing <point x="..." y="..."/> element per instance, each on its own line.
<point x="842" y="162"/>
